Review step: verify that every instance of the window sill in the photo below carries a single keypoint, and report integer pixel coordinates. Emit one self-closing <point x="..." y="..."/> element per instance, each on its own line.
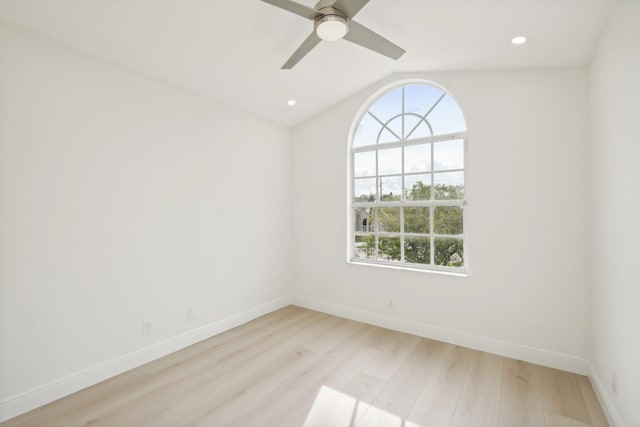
<point x="461" y="273"/>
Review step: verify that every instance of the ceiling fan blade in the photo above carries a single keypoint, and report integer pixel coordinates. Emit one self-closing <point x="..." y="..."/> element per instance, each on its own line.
<point x="364" y="37"/>
<point x="350" y="7"/>
<point x="304" y="48"/>
<point x="293" y="7"/>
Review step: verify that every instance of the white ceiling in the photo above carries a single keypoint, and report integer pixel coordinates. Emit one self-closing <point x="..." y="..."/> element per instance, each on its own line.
<point x="232" y="50"/>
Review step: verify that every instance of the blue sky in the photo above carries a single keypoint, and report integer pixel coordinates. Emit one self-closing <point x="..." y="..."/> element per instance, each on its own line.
<point x="444" y="117"/>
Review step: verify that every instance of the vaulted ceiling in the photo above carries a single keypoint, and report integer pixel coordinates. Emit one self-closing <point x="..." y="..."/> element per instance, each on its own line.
<point x="232" y="51"/>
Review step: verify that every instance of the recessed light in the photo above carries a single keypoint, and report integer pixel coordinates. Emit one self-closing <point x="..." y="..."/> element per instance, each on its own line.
<point x="291" y="102"/>
<point x="519" y="40"/>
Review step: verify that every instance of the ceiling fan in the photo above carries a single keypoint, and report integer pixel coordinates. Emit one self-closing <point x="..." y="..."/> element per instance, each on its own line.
<point x="333" y="20"/>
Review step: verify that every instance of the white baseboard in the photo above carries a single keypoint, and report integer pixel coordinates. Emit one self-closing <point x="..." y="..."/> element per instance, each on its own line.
<point x="55" y="390"/>
<point x="605" y="400"/>
<point x="503" y="348"/>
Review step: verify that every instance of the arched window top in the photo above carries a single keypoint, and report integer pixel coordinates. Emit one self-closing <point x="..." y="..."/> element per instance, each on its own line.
<point x="409" y="112"/>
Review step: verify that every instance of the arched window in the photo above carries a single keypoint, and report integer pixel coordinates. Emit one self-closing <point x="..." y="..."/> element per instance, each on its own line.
<point x="408" y="181"/>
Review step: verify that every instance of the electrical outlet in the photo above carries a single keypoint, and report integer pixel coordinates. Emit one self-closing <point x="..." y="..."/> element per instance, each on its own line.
<point x="191" y="314"/>
<point x="389" y="302"/>
<point x="614" y="382"/>
<point x="148" y="326"/>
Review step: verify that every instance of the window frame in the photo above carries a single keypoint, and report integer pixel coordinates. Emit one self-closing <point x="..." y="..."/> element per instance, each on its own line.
<point x="432" y="203"/>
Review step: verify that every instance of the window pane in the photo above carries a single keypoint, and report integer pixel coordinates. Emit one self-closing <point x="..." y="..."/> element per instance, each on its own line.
<point x="390" y="188"/>
<point x="447" y="220"/>
<point x="416" y="220"/>
<point x="388" y="220"/>
<point x="417" y="250"/>
<point x="449" y="252"/>
<point x="395" y="126"/>
<point x="417" y="187"/>
<point x="387" y="136"/>
<point x="410" y="121"/>
<point x="420" y="131"/>
<point x="446" y="117"/>
<point x="388" y="105"/>
<point x="364" y="164"/>
<point x="389" y="248"/>
<point x="448" y="155"/>
<point x="390" y="161"/>
<point x="363" y="219"/>
<point x="449" y="186"/>
<point x="420" y="98"/>
<point x="364" y="190"/>
<point x="367" y="131"/>
<point x="417" y="158"/>
<point x="365" y="247"/>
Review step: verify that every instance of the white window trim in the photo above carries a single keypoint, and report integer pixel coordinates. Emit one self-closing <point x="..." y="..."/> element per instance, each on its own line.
<point x="351" y="226"/>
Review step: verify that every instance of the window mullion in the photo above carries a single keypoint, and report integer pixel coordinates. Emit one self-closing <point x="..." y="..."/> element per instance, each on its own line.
<point x="402" y="192"/>
<point x="352" y="216"/>
<point x="401" y="234"/>
<point x="403" y="115"/>
<point x="375" y="229"/>
<point x="417" y="141"/>
<point x="431" y="237"/>
<point x="413" y="203"/>
<point x="432" y="252"/>
<point x="378" y="183"/>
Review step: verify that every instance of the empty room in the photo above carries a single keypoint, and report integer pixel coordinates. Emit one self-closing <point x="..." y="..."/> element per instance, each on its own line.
<point x="414" y="213"/>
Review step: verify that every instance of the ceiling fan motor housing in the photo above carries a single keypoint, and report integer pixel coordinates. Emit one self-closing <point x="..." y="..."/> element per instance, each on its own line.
<point x="331" y="24"/>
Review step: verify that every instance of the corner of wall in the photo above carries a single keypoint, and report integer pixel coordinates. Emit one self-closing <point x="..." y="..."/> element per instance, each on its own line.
<point x="608" y="407"/>
<point x="62" y="387"/>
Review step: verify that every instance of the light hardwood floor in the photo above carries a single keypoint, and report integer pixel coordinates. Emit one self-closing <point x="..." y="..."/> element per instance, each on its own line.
<point x="297" y="367"/>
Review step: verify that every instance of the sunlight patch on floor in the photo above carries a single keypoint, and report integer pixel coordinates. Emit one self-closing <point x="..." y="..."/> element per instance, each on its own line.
<point x="334" y="408"/>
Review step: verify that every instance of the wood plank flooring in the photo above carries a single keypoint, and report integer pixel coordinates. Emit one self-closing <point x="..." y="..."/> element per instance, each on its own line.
<point x="297" y="367"/>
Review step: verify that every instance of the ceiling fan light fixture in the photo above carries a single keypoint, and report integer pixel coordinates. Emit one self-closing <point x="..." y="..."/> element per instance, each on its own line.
<point x="519" y="40"/>
<point x="331" y="27"/>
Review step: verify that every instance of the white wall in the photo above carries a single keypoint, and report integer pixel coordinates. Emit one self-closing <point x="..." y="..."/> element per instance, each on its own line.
<point x="528" y="221"/>
<point x="615" y="176"/>
<point x="122" y="199"/>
